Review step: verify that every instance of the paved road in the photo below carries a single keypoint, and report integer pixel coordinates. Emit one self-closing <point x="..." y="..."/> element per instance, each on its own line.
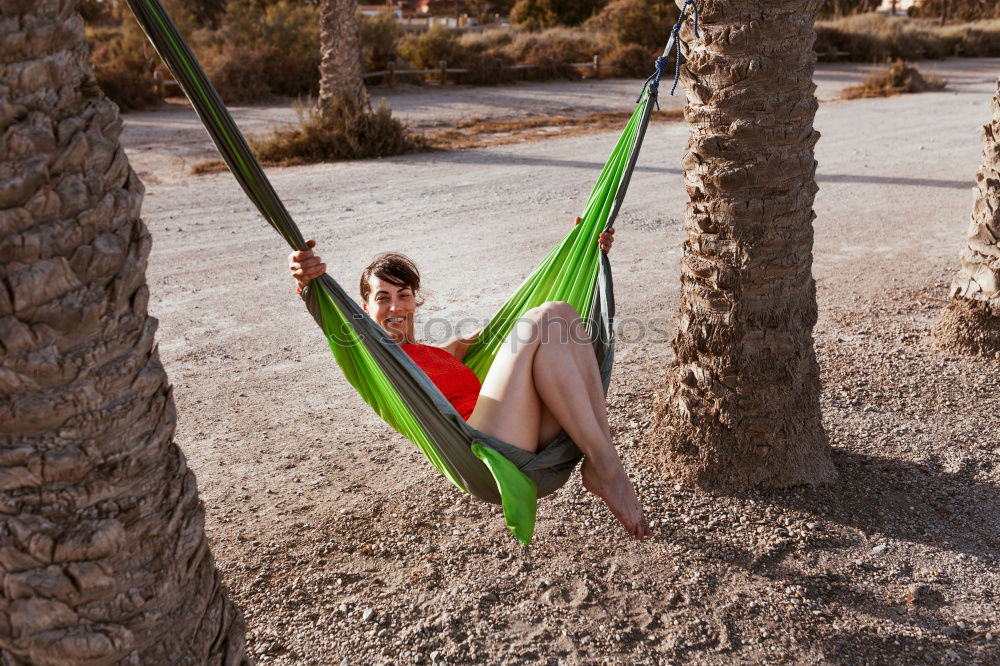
<point x="164" y="143"/>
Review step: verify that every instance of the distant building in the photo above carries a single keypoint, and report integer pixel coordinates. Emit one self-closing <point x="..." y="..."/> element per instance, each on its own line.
<point x="375" y="9"/>
<point x="903" y="7"/>
<point x="431" y="6"/>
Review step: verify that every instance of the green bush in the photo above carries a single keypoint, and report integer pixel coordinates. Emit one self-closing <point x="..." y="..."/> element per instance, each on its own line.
<point x="378" y="35"/>
<point x="643" y="22"/>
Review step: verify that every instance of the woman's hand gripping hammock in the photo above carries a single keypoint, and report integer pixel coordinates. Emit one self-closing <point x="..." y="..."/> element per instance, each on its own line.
<point x="305" y="266"/>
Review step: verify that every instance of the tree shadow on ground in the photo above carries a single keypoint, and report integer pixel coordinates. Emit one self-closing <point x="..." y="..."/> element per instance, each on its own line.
<point x="851" y="647"/>
<point x="898" y="502"/>
<point x="877" y="500"/>
<point x="886" y="180"/>
<point x="495" y="157"/>
<point x="919" y="502"/>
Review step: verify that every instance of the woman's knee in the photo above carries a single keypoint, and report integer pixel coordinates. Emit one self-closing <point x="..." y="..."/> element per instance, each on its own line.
<point x="562" y="310"/>
<point x="553" y="321"/>
<point x="553" y="310"/>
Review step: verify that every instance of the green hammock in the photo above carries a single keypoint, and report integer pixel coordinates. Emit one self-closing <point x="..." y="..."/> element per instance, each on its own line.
<point x="575" y="271"/>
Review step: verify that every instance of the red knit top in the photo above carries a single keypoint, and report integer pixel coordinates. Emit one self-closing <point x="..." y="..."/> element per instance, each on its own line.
<point x="453" y="378"/>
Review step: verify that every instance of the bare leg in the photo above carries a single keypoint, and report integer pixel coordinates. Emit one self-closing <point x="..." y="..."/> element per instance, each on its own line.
<point x="536" y="373"/>
<point x="567" y="328"/>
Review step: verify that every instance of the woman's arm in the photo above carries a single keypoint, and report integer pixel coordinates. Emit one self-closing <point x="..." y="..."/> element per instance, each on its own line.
<point x="458" y="347"/>
<point x="305" y="265"/>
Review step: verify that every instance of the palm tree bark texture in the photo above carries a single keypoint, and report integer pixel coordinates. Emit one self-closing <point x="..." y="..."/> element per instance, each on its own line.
<point x="971" y="322"/>
<point x="340" y="58"/>
<point x="103" y="555"/>
<point x="741" y="406"/>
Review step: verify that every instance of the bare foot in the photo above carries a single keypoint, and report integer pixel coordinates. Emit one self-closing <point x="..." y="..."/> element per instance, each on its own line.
<point x="614" y="487"/>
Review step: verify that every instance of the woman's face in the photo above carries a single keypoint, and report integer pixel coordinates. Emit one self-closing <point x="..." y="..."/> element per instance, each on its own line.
<point x="392" y="307"/>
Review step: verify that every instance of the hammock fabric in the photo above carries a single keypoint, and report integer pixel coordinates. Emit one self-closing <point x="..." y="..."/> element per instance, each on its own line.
<point x="575" y="271"/>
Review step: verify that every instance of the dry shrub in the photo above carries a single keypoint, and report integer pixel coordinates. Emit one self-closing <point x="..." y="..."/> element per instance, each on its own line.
<point x="252" y="75"/>
<point x="552" y="52"/>
<point x="632" y="61"/>
<point x="236" y="74"/>
<point x="95" y="12"/>
<point x="533" y="14"/>
<point x="126" y="81"/>
<point x="487" y="41"/>
<point x="342" y="132"/>
<point x="486" y="58"/>
<point x="129" y="88"/>
<point x="476" y="132"/>
<point x="488" y="69"/>
<point x="545" y="67"/>
<point x="427" y="50"/>
<point x="644" y="22"/>
<point x="378" y="35"/>
<point x="208" y="166"/>
<point x="975" y="40"/>
<point x="539" y="14"/>
<point x="289" y="25"/>
<point x="556" y="45"/>
<point x="877" y="37"/>
<point x="962" y="10"/>
<point x="262" y="51"/>
<point x="897" y="78"/>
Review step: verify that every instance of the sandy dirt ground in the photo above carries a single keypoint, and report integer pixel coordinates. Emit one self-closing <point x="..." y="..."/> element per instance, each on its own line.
<point x="341" y="544"/>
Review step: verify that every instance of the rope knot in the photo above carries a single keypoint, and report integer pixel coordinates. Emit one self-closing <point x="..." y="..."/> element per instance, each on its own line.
<point x="653" y="82"/>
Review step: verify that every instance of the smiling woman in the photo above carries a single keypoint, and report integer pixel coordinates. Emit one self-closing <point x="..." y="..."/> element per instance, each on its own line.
<point x="389" y="288"/>
<point x="544" y="380"/>
<point x="390" y="294"/>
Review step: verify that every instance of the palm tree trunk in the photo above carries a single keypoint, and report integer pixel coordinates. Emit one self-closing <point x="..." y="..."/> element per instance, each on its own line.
<point x="971" y="322"/>
<point x="742" y="400"/>
<point x="340" y="58"/>
<point x="103" y="553"/>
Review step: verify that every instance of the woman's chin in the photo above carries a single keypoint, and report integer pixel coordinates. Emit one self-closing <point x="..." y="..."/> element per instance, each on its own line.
<point x="397" y="333"/>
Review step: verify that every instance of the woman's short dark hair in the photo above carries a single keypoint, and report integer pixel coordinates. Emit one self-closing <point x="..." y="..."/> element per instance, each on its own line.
<point x="395" y="268"/>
